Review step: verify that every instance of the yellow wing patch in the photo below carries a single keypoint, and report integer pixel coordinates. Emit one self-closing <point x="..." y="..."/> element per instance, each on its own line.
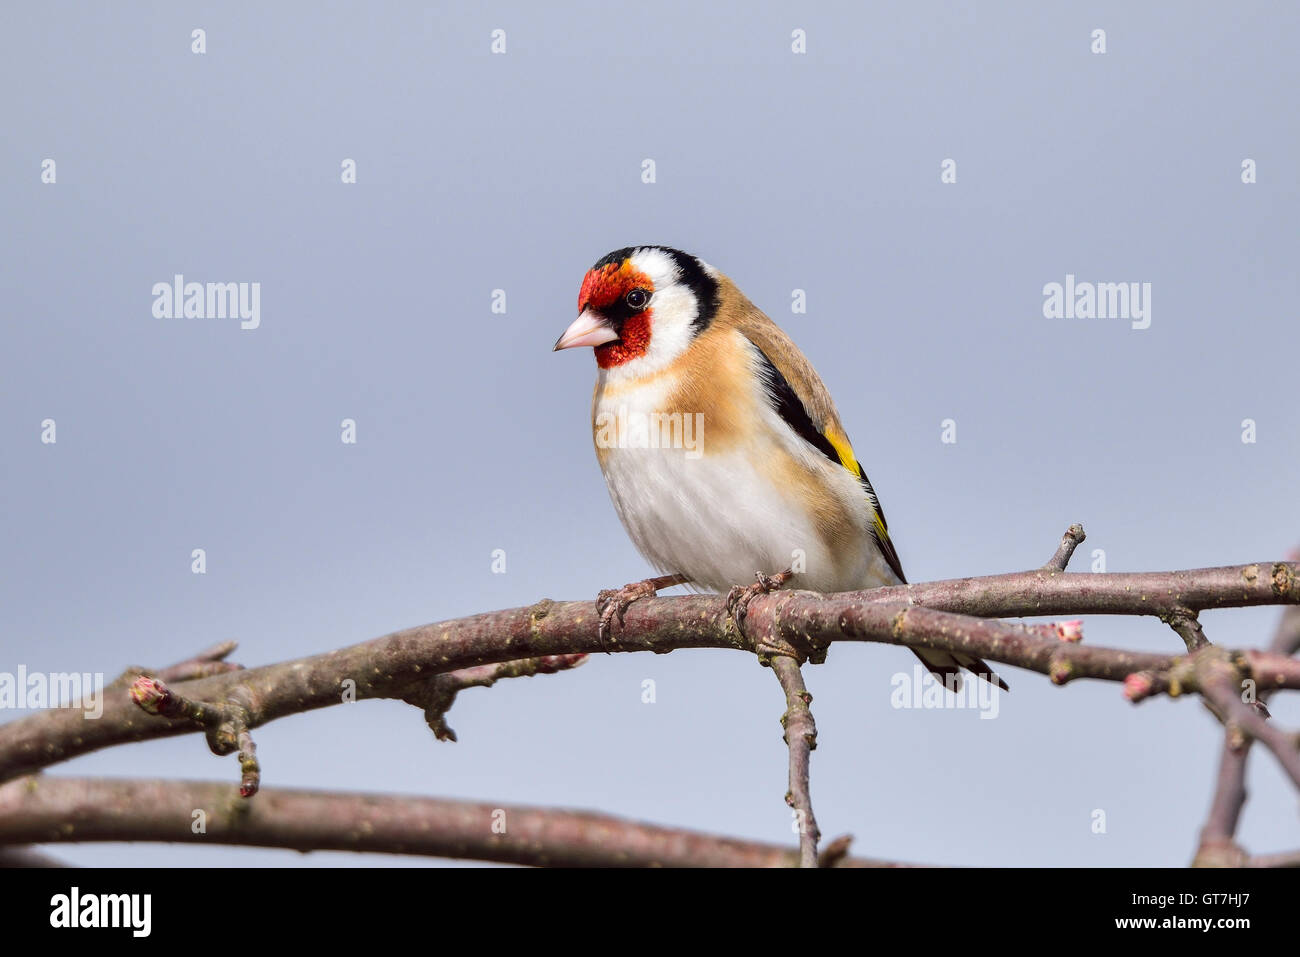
<point x="840" y="443"/>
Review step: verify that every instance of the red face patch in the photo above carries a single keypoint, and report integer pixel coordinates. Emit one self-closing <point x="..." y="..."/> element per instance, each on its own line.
<point x="603" y="287"/>
<point x="631" y="344"/>
<point x="603" y="290"/>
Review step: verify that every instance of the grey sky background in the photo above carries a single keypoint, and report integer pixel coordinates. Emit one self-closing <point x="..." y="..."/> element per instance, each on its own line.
<point x="517" y="171"/>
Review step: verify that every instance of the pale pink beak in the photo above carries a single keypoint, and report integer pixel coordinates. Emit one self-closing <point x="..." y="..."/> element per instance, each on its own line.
<point x="589" y="329"/>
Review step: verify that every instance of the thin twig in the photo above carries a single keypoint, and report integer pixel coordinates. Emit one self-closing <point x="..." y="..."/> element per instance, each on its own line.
<point x="210" y="661"/>
<point x="835" y="852"/>
<point x="801" y="739"/>
<point x="1188" y="627"/>
<point x="437" y="694"/>
<point x="1223" y="691"/>
<point x="1071" y="540"/>
<point x="1225" y="808"/>
<point x="225" y="723"/>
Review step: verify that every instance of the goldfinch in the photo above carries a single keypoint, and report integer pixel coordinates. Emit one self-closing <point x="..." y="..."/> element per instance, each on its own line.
<point x="722" y="450"/>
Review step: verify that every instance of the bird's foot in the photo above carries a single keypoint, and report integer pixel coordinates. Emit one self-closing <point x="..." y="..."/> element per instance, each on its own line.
<point x="612" y="603"/>
<point x="738" y="598"/>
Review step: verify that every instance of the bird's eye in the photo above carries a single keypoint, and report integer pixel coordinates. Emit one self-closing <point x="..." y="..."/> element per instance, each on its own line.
<point x="637" y="298"/>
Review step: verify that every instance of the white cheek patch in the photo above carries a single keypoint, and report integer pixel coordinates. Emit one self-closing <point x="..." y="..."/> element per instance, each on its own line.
<point x="671" y="323"/>
<point x="673" y="311"/>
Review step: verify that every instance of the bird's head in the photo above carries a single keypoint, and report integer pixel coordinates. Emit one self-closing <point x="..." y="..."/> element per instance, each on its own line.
<point x="640" y="307"/>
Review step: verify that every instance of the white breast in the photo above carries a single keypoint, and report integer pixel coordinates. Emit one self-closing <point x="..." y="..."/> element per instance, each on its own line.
<point x="715" y="517"/>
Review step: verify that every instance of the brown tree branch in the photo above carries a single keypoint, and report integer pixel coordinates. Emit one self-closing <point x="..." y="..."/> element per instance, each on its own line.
<point x="801" y="739"/>
<point x="1218" y="846"/>
<point x="437" y="694"/>
<point x="427" y="666"/>
<point x="1284" y="859"/>
<point x="1161" y="594"/>
<point x="225" y="724"/>
<point x="1221" y="689"/>
<point x="27" y="857"/>
<point x="45" y="810"/>
<point x="388" y="666"/>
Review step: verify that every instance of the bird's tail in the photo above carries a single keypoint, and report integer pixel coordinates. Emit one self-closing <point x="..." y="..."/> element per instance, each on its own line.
<point x="944" y="665"/>
<point x="947" y="665"/>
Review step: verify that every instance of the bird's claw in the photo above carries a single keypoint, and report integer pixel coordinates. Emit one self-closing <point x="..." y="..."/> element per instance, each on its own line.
<point x="740" y="596"/>
<point x="612" y="605"/>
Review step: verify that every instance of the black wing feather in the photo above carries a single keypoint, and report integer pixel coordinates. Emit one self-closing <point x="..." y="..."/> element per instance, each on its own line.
<point x="790" y="407"/>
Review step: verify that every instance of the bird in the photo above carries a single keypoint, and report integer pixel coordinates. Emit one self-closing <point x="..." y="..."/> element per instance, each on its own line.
<point x="722" y="450"/>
